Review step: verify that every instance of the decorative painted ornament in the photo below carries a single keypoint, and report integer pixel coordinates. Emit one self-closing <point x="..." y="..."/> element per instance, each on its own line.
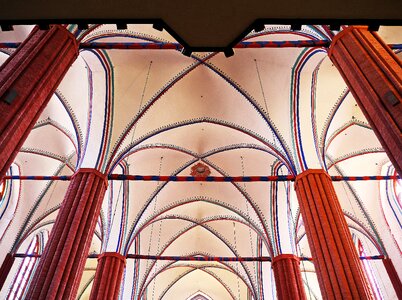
<point x="200" y="170"/>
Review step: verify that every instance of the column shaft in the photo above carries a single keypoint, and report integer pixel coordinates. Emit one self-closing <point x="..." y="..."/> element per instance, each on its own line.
<point x="62" y="263"/>
<point x="108" y="276"/>
<point x="288" y="279"/>
<point x="28" y="80"/>
<point x="339" y="271"/>
<point x="393" y="276"/>
<point x="373" y="74"/>
<point x="5" y="268"/>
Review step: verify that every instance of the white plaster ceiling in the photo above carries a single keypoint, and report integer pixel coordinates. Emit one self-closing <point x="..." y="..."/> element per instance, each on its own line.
<point x="163" y="113"/>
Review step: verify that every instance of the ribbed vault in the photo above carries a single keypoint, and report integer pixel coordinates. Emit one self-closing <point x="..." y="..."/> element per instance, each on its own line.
<point x="157" y="112"/>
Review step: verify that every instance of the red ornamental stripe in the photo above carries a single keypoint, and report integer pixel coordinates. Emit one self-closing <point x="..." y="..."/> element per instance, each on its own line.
<point x="176" y="46"/>
<point x="199" y="258"/>
<point x="209" y="178"/>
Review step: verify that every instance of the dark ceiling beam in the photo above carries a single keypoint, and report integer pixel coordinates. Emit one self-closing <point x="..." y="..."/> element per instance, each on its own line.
<point x="177" y="46"/>
<point x="219" y="40"/>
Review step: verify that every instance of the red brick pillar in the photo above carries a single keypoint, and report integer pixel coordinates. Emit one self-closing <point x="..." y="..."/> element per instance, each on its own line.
<point x="337" y="264"/>
<point x="28" y="80"/>
<point x="288" y="279"/>
<point x="5" y="268"/>
<point x="108" y="276"/>
<point x="373" y="74"/>
<point x="393" y="276"/>
<point x="61" y="266"/>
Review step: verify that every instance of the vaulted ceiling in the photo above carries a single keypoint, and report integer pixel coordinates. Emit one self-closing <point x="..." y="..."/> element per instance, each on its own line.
<point x="269" y="111"/>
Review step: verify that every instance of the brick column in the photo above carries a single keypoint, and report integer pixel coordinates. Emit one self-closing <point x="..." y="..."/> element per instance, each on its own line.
<point x="28" y="80"/>
<point x="393" y="276"/>
<point x="5" y="268"/>
<point x="373" y="74"/>
<point x="337" y="264"/>
<point x="61" y="266"/>
<point x="108" y="276"/>
<point x="288" y="279"/>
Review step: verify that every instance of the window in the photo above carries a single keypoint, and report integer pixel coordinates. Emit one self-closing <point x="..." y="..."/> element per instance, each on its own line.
<point x="25" y="271"/>
<point x="199" y="296"/>
<point x="370" y="273"/>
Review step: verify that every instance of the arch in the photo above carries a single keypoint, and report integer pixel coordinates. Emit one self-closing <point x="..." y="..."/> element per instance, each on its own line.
<point x="22" y="278"/>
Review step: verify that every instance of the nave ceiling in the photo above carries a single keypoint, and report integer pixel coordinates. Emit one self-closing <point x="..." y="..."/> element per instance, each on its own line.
<point x="270" y="111"/>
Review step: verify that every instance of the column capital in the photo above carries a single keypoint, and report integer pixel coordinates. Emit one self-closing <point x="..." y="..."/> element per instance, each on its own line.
<point x="113" y="254"/>
<point x="341" y="34"/>
<point x="70" y="36"/>
<point x="311" y="171"/>
<point x="108" y="276"/>
<point x="288" y="279"/>
<point x="92" y="171"/>
<point x="284" y="257"/>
